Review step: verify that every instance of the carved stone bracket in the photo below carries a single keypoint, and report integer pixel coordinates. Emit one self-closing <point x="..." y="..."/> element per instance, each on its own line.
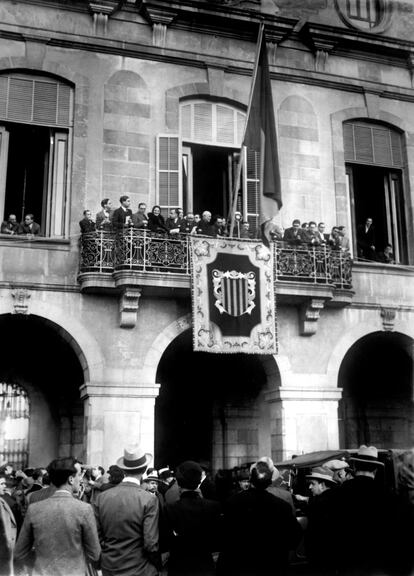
<point x="309" y="316"/>
<point x="160" y="18"/>
<point x="101" y="11"/>
<point x="320" y="44"/>
<point x="21" y="298"/>
<point x="388" y="318"/>
<point x="128" y="307"/>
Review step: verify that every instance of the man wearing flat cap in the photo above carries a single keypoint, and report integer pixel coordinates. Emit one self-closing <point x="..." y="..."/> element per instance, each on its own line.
<point x="321" y="521"/>
<point x="127" y="519"/>
<point x="340" y="469"/>
<point x="365" y="532"/>
<point x="193" y="523"/>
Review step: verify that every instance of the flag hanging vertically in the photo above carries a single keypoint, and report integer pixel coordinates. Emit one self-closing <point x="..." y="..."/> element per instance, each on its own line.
<point x="260" y="133"/>
<point x="260" y="136"/>
<point x="233" y="299"/>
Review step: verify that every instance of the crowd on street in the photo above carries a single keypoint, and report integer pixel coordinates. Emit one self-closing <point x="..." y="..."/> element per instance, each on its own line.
<point x="70" y="519"/>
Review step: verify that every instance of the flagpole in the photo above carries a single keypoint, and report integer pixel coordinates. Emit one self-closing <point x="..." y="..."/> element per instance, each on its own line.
<point x="242" y="152"/>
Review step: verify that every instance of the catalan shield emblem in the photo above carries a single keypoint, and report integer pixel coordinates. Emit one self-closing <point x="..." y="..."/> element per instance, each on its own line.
<point x="234" y="292"/>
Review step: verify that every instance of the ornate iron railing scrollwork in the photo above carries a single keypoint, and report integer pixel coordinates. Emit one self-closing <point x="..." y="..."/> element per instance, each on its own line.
<point x="131" y="249"/>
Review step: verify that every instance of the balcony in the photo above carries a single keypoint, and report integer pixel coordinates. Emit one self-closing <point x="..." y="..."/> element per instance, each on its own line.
<point x="160" y="265"/>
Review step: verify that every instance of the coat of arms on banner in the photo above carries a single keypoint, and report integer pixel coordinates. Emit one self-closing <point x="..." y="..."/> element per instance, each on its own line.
<point x="233" y="296"/>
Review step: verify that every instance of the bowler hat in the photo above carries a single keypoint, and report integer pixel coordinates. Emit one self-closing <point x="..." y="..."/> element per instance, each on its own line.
<point x="189" y="475"/>
<point x="134" y="459"/>
<point x="368" y="455"/>
<point x="322" y="473"/>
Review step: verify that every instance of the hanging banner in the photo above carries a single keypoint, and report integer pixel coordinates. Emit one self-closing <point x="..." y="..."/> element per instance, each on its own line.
<point x="233" y="300"/>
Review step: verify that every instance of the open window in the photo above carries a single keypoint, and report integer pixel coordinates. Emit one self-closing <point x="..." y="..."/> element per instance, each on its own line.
<point x="375" y="166"/>
<point x="197" y="167"/>
<point x="35" y="127"/>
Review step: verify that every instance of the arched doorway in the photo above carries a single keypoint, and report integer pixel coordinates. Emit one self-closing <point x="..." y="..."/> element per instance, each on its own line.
<point x="38" y="361"/>
<point x="377" y="405"/>
<point x="211" y="407"/>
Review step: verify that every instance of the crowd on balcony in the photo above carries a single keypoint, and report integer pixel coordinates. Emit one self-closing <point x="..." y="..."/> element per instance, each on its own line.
<point x="13" y="228"/>
<point x="307" y="234"/>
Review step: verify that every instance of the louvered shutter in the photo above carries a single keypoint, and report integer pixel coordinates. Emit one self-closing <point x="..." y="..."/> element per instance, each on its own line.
<point x="203" y="122"/>
<point x="225" y="120"/>
<point x="207" y="122"/>
<point x="35" y="100"/>
<point x="4" y="151"/>
<point x="169" y="191"/>
<point x="252" y="188"/>
<point x="377" y="145"/>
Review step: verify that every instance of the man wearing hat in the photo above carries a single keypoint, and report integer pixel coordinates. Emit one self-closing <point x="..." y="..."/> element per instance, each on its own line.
<point x="366" y="526"/>
<point x="321" y="509"/>
<point x="339" y="468"/>
<point x="193" y="524"/>
<point x="127" y="518"/>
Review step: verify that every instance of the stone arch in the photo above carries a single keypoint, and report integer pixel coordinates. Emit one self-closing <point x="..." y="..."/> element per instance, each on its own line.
<point x="271" y="364"/>
<point x="352" y="336"/>
<point x="196" y="89"/>
<point x="48" y="67"/>
<point x="72" y="331"/>
<point x="337" y="119"/>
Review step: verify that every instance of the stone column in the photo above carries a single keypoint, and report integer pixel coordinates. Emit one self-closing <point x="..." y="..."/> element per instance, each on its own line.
<point x="116" y="416"/>
<point x="303" y="420"/>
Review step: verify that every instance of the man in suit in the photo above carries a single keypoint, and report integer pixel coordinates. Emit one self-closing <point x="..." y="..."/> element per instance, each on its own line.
<point x="127" y="518"/>
<point x="294" y="235"/>
<point x="259" y="530"/>
<point x="10" y="226"/>
<point x="140" y="219"/>
<point x="193" y="524"/>
<point x="87" y="224"/>
<point x="61" y="529"/>
<point x="29" y="226"/>
<point x="104" y="217"/>
<point x="366" y="240"/>
<point x="122" y="216"/>
<point x="8" y="531"/>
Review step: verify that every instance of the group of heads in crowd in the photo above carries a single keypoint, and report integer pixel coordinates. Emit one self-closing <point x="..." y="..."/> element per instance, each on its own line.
<point x="174" y="224"/>
<point x="187" y="503"/>
<point x="12" y="227"/>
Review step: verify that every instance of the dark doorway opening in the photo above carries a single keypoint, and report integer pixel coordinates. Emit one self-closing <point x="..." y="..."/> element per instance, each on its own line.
<point x="377" y="407"/>
<point x="377" y="194"/>
<point x="212" y="167"/>
<point x="27" y="171"/>
<point x="37" y="358"/>
<point x="206" y="404"/>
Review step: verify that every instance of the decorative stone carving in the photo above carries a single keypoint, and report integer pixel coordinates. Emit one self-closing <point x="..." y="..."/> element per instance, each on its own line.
<point x="388" y="318"/>
<point x="128" y="307"/>
<point x="309" y="316"/>
<point x="160" y="18"/>
<point x="21" y="298"/>
<point x="102" y="10"/>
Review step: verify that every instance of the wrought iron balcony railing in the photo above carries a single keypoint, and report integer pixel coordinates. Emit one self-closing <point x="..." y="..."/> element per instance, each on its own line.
<point x="106" y="252"/>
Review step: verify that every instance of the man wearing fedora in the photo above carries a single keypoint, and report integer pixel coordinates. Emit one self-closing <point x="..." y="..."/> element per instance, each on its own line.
<point x="127" y="519"/>
<point x="319" y="532"/>
<point x="365" y="533"/>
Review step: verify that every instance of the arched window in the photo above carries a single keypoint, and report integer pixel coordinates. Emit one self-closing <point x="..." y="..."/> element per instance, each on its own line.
<point x="14" y="425"/>
<point x="36" y="117"/>
<point x="375" y="162"/>
<point x="197" y="167"/>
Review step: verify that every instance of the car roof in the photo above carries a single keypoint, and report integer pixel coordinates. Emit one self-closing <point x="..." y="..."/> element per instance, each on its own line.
<point x="312" y="458"/>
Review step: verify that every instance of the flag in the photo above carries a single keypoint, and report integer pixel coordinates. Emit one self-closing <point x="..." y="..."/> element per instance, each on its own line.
<point x="260" y="133"/>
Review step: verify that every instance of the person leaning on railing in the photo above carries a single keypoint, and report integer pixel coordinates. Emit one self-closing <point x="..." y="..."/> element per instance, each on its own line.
<point x="87" y="224"/>
<point x="156" y="222"/>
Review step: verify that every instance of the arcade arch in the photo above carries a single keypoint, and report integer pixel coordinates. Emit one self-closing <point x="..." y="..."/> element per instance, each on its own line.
<point x="38" y="358"/>
<point x="377" y="406"/>
<point x="212" y="407"/>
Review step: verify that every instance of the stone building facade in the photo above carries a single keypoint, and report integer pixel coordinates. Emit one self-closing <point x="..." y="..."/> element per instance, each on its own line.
<point x="148" y="98"/>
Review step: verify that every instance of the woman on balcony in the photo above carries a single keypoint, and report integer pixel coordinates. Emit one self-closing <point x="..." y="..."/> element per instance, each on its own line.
<point x="156" y="222"/>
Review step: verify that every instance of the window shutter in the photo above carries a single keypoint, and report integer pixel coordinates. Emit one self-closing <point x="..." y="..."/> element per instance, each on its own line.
<point x="203" y="122"/>
<point x="185" y="116"/>
<point x="225" y="125"/>
<point x="35" y="100"/>
<point x="252" y="187"/>
<point x="168" y="170"/>
<point x="4" y="152"/>
<point x="377" y="145"/>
